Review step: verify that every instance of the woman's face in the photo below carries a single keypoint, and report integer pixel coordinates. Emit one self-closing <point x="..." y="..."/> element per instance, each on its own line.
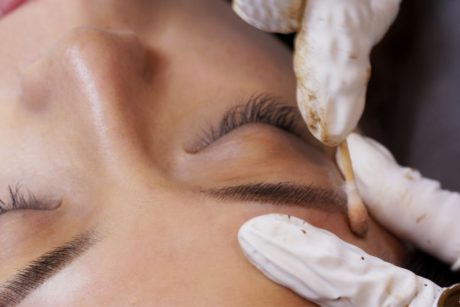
<point x="149" y="132"/>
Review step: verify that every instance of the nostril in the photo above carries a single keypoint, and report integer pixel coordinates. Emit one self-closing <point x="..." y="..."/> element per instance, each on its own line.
<point x="7" y="6"/>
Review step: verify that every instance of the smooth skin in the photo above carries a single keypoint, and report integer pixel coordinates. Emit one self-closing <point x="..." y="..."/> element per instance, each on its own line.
<point x="102" y="104"/>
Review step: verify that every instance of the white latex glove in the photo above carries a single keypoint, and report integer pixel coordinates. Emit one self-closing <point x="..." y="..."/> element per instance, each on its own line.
<point x="331" y="56"/>
<point x="320" y="267"/>
<point x="414" y="208"/>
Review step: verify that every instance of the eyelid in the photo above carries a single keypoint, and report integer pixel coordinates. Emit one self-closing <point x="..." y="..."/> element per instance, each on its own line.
<point x="261" y="108"/>
<point x="20" y="200"/>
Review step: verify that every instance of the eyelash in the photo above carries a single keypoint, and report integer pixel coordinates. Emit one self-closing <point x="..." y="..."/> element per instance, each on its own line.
<point x="22" y="201"/>
<point x="259" y="109"/>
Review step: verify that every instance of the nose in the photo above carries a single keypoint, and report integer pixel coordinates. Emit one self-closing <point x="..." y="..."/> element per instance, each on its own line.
<point x="103" y="78"/>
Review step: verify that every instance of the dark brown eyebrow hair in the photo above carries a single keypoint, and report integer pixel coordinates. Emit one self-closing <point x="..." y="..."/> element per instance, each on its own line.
<point x="283" y="193"/>
<point x="13" y="291"/>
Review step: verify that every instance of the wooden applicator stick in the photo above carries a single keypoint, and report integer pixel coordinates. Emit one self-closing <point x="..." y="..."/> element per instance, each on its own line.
<point x="357" y="212"/>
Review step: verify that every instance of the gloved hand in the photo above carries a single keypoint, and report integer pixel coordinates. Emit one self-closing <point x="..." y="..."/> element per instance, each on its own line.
<point x="412" y="207"/>
<point x="331" y="56"/>
<point x="320" y="267"/>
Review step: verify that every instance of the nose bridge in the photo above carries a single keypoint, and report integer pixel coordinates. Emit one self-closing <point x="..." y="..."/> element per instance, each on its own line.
<point x="108" y="74"/>
<point x="108" y="69"/>
<point x="99" y="56"/>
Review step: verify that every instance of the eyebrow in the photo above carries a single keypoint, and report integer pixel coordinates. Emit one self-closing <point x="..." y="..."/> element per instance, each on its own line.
<point x="13" y="291"/>
<point x="283" y="194"/>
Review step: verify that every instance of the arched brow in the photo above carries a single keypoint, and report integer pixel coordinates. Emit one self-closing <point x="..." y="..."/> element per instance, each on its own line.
<point x="14" y="290"/>
<point x="283" y="194"/>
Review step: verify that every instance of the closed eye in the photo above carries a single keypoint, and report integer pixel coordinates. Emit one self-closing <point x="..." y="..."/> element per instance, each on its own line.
<point x="262" y="108"/>
<point x="25" y="200"/>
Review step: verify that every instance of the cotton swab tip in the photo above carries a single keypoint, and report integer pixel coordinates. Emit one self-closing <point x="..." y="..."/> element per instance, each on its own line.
<point x="357" y="212"/>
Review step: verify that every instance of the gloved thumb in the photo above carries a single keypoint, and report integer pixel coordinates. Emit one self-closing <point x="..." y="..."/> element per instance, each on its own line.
<point x="413" y="207"/>
<point x="325" y="270"/>
<point x="331" y="57"/>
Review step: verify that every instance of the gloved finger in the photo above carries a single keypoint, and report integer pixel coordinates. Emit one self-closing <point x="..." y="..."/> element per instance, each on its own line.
<point x="325" y="270"/>
<point x="331" y="56"/>
<point x="384" y="13"/>
<point x="413" y="207"/>
<point x="270" y="15"/>
<point x="331" y="62"/>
